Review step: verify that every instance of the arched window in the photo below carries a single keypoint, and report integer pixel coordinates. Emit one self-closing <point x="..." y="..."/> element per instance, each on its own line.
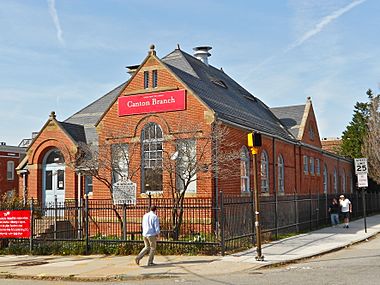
<point x="351" y="184"/>
<point x="344" y="182"/>
<point x="55" y="156"/>
<point x="335" y="181"/>
<point x="151" y="162"/>
<point x="325" y="179"/>
<point x="244" y="170"/>
<point x="281" y="174"/>
<point x="264" y="172"/>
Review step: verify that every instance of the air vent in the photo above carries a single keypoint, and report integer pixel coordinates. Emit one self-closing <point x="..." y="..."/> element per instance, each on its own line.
<point x="219" y="82"/>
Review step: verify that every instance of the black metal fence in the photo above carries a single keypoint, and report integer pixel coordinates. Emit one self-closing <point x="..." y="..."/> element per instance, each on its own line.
<point x="92" y="226"/>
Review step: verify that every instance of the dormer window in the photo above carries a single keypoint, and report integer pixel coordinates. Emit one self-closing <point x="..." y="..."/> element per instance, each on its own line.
<point x="154" y="78"/>
<point x="146" y="79"/>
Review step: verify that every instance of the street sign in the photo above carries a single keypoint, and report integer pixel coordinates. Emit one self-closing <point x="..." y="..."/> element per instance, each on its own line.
<point x="124" y="192"/>
<point x="362" y="180"/>
<point x="361" y="166"/>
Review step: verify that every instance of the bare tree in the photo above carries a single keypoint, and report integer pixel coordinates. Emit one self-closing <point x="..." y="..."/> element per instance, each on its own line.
<point x="197" y="156"/>
<point x="371" y="145"/>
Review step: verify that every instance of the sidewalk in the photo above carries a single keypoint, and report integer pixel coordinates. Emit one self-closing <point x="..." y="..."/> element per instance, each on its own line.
<point x="101" y="267"/>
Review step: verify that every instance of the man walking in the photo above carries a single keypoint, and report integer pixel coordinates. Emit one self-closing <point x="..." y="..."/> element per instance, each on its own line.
<point x="346" y="209"/>
<point x="151" y="230"/>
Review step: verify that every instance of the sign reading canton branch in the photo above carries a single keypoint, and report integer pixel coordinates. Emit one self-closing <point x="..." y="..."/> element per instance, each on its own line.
<point x="15" y="224"/>
<point x="124" y="192"/>
<point x="152" y="103"/>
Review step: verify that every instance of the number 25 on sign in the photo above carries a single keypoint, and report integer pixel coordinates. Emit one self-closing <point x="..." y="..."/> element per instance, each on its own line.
<point x="361" y="166"/>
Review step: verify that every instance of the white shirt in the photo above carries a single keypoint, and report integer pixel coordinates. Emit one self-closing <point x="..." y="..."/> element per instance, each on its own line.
<point x="345" y="204"/>
<point x="150" y="224"/>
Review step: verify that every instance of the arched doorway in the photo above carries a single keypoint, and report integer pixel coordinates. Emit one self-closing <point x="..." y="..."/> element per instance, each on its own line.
<point x="53" y="177"/>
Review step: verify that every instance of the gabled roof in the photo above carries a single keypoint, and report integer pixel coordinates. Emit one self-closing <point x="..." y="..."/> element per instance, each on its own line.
<point x="290" y="117"/>
<point x="230" y="101"/>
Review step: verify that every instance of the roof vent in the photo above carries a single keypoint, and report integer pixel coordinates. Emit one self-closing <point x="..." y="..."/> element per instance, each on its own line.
<point x="202" y="53"/>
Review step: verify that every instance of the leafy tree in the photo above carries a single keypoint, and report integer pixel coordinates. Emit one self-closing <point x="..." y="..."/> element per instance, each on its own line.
<point x="353" y="136"/>
<point x="371" y="144"/>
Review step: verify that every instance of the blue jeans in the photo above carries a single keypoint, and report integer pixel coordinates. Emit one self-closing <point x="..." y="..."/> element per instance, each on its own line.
<point x="334" y="219"/>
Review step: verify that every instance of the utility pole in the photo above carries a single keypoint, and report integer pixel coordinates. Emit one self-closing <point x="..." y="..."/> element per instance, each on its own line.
<point x="254" y="141"/>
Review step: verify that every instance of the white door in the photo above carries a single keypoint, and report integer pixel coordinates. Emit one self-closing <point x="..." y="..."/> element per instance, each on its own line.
<point x="53" y="178"/>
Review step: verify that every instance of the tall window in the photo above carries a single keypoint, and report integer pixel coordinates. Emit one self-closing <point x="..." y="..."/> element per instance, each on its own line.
<point x="146" y="79"/>
<point x="351" y="184"/>
<point x="281" y="173"/>
<point x="119" y="161"/>
<point x="152" y="142"/>
<point x="264" y="167"/>
<point x="154" y="78"/>
<point x="311" y="165"/>
<point x="244" y="170"/>
<point x="325" y="179"/>
<point x="186" y="164"/>
<point x="317" y="167"/>
<point x="344" y="182"/>
<point x="335" y="181"/>
<point x="305" y="165"/>
<point x="88" y="184"/>
<point x="10" y="170"/>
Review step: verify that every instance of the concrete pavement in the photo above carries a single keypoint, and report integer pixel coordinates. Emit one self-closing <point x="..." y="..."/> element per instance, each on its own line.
<point x="101" y="267"/>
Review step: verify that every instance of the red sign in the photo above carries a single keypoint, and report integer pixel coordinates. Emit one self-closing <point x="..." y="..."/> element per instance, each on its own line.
<point x="152" y="103"/>
<point x="15" y="224"/>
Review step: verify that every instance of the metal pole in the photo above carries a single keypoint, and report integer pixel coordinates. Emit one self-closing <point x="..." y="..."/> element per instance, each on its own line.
<point x="222" y="241"/>
<point x="364" y="209"/>
<point x="259" y="256"/>
<point x="86" y="229"/>
<point x="55" y="216"/>
<point x="124" y="221"/>
<point x="31" y="227"/>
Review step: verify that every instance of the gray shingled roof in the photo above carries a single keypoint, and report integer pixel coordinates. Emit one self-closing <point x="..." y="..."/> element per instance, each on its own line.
<point x="290" y="117"/>
<point x="233" y="103"/>
<point x="86" y="118"/>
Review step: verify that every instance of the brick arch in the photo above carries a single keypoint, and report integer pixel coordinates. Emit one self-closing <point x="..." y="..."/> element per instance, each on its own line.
<point x="45" y="146"/>
<point x="152" y="119"/>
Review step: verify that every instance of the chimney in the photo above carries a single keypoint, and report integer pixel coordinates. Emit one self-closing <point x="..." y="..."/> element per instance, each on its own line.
<point x="202" y="53"/>
<point x="2" y="143"/>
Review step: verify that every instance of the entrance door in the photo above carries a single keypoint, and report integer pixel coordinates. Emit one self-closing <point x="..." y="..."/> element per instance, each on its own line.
<point x="53" y="178"/>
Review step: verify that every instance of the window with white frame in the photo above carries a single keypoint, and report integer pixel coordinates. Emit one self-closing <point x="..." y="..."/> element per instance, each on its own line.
<point x="151" y="162"/>
<point x="344" y="182"/>
<point x="281" y="174"/>
<point x="244" y="170"/>
<point x="154" y="78"/>
<point x="88" y="184"/>
<point x="146" y="79"/>
<point x="305" y="165"/>
<point x="317" y="166"/>
<point x="10" y="170"/>
<point x="311" y="160"/>
<point x="335" y="181"/>
<point x="120" y="163"/>
<point x="325" y="179"/>
<point x="186" y="166"/>
<point x="264" y="172"/>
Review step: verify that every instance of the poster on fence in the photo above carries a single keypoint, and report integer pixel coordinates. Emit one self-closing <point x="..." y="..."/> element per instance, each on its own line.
<point x="15" y="224"/>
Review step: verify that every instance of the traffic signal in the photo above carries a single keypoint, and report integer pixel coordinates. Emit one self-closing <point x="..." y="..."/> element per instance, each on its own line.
<point x="254" y="139"/>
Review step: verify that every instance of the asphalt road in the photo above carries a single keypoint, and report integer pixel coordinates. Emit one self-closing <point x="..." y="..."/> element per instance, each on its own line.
<point x="358" y="264"/>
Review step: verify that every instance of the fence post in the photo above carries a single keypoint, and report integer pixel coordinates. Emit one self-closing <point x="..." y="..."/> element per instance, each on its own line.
<point x="296" y="211"/>
<point x="31" y="227"/>
<point x="55" y="216"/>
<point x="253" y="218"/>
<point x="86" y="224"/>
<point x="222" y="238"/>
<point x="124" y="221"/>
<point x="149" y="201"/>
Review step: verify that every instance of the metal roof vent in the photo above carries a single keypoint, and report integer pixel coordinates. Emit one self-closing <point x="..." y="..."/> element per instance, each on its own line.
<point x="202" y="53"/>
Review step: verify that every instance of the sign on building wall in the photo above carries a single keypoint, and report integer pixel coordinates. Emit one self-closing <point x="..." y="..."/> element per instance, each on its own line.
<point x="15" y="224"/>
<point x="124" y="192"/>
<point x="152" y="103"/>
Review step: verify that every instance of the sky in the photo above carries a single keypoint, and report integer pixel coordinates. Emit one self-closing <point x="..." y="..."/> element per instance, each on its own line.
<point x="61" y="55"/>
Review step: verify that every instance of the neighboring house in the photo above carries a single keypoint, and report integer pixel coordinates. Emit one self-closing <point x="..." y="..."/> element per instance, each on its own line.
<point x="185" y="88"/>
<point x="10" y="157"/>
<point x="331" y="144"/>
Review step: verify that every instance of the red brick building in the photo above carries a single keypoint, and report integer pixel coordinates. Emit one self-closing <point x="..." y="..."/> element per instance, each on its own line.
<point x="10" y="157"/>
<point x="162" y="96"/>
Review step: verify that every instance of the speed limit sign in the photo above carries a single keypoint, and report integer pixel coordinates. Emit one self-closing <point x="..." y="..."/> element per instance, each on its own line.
<point x="361" y="166"/>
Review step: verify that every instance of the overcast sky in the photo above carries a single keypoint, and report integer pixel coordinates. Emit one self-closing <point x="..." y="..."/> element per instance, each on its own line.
<point x="61" y="55"/>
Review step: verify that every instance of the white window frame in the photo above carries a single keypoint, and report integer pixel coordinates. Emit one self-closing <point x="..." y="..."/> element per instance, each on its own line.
<point x="186" y="161"/>
<point x="281" y="174"/>
<point x="335" y="181"/>
<point x="305" y="165"/>
<point x="10" y="170"/>
<point x="317" y="166"/>
<point x="244" y="170"/>
<point x="325" y="179"/>
<point x="264" y="172"/>
<point x="120" y="161"/>
<point x="311" y="161"/>
<point x="344" y="186"/>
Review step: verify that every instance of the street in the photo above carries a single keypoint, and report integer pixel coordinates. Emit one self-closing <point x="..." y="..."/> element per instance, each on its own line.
<point x="358" y="264"/>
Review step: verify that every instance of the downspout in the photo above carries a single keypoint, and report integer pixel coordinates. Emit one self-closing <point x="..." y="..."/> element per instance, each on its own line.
<point x="214" y="149"/>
